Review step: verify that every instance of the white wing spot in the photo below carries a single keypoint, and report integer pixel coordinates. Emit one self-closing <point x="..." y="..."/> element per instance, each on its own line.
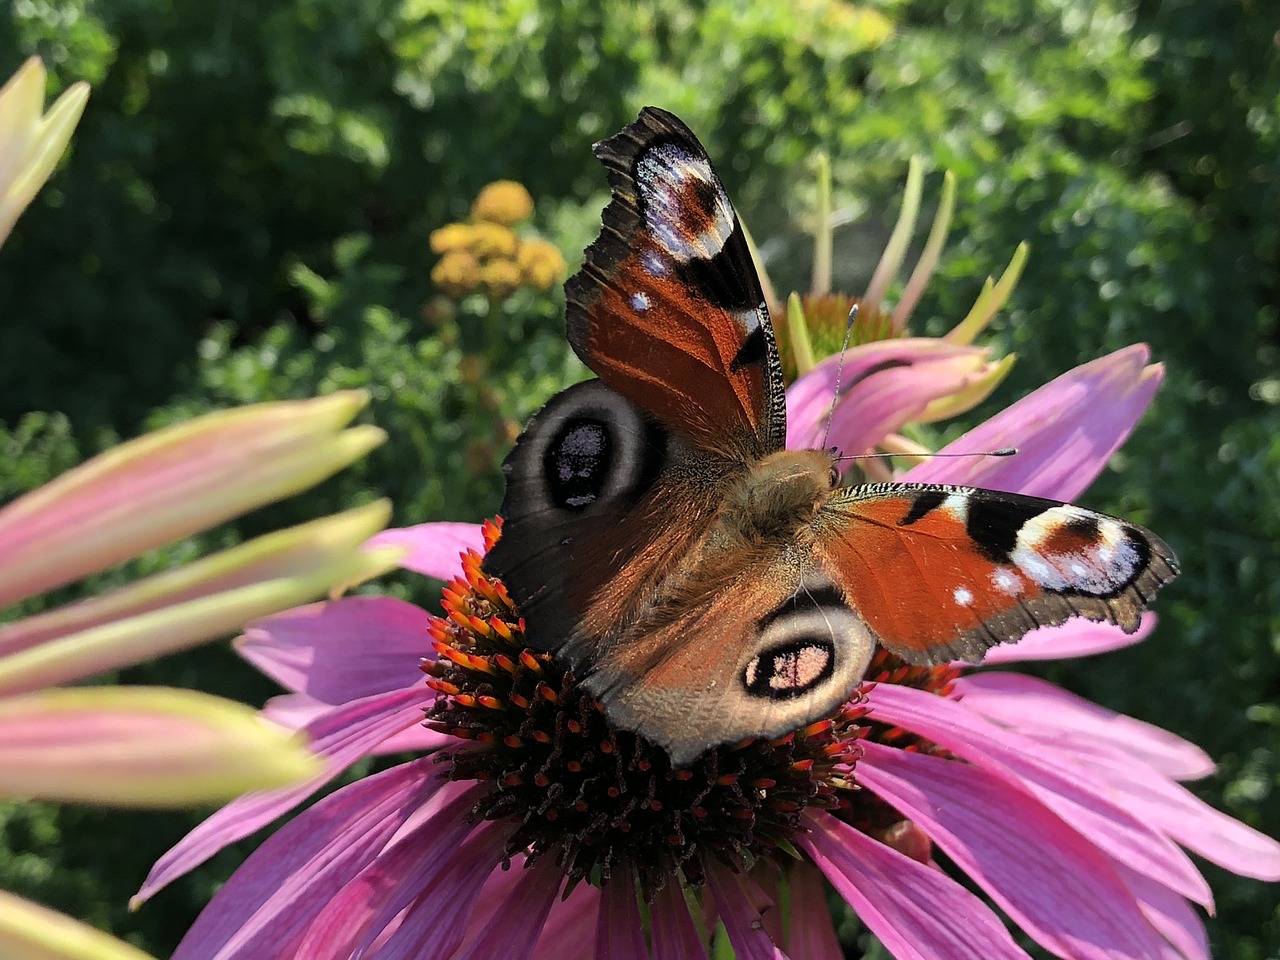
<point x="665" y="175"/>
<point x="963" y="596"/>
<point x="640" y="302"/>
<point x="1006" y="581"/>
<point x="957" y="506"/>
<point x="1099" y="569"/>
<point x="750" y="319"/>
<point x="653" y="263"/>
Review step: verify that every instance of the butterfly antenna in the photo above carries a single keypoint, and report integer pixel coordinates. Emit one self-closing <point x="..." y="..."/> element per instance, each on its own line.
<point x="1002" y="452"/>
<point x="848" y="335"/>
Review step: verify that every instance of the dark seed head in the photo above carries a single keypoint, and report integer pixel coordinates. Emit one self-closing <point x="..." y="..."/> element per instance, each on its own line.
<point x="602" y="800"/>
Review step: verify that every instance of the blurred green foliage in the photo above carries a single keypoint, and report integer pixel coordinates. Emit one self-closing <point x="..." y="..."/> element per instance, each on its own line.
<point x="245" y="211"/>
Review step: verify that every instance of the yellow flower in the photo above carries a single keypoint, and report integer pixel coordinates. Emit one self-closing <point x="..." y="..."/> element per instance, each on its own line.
<point x="493" y="240"/>
<point x="451" y="237"/>
<point x="504" y="202"/>
<point x="500" y="278"/>
<point x="31" y="141"/>
<point x="457" y="274"/>
<point x="540" y="263"/>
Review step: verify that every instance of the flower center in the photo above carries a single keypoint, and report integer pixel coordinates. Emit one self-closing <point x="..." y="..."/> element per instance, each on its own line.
<point x="601" y="799"/>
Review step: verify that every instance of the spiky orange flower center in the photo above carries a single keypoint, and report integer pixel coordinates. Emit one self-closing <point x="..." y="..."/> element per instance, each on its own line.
<point x="601" y="799"/>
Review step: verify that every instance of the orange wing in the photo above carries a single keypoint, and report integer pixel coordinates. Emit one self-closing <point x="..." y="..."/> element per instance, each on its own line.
<point x="667" y="308"/>
<point x="940" y="573"/>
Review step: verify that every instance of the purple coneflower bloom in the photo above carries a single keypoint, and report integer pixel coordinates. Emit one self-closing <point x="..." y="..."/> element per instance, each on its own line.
<point x="149" y="746"/>
<point x="531" y="829"/>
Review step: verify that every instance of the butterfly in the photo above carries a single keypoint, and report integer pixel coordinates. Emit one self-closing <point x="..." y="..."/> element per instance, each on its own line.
<point x="706" y="584"/>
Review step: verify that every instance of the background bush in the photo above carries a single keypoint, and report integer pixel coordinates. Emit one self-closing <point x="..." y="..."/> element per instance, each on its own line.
<point x="246" y="210"/>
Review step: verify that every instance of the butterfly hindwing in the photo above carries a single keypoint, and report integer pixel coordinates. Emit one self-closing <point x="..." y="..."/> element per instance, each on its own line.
<point x="754" y="649"/>
<point x="943" y="573"/>
<point x="616" y="555"/>
<point x="667" y="309"/>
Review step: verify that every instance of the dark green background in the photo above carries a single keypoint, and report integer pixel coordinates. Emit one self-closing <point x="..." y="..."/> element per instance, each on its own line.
<point x="245" y="211"/>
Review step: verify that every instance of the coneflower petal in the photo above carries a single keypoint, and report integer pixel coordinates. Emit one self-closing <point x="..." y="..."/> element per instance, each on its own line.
<point x="917" y="912"/>
<point x="1051" y="881"/>
<point x="340" y="737"/>
<point x="1037" y="708"/>
<point x="342" y="650"/>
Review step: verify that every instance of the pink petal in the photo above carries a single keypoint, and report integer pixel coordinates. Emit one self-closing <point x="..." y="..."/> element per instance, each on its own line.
<point x="294" y="710"/>
<point x="343" y="650"/>
<point x="515" y="927"/>
<point x="1065" y="431"/>
<point x="764" y="880"/>
<point x="1170" y="914"/>
<point x="917" y="912"/>
<point x="1039" y="709"/>
<point x="260" y="913"/>
<point x="433" y="548"/>
<point x="341" y="737"/>
<point x="674" y="935"/>
<point x="322" y="548"/>
<point x="883" y="385"/>
<point x="443" y="849"/>
<point x="619" y="935"/>
<point x="1075" y="638"/>
<point x="569" y="933"/>
<point x="148" y="747"/>
<point x="166" y="485"/>
<point x="1186" y="818"/>
<point x="489" y="901"/>
<point x="1082" y="800"/>
<point x="741" y="905"/>
<point x="813" y="936"/>
<point x="420" y="933"/>
<point x="1051" y="881"/>
<point x="414" y="739"/>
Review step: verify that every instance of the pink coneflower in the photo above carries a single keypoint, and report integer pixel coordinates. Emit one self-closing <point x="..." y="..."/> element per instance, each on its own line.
<point x="150" y="746"/>
<point x="532" y="829"/>
<point x="155" y="747"/>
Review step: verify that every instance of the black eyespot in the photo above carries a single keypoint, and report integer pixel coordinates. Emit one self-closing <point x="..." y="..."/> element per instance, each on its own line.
<point x="790" y="670"/>
<point x="577" y="463"/>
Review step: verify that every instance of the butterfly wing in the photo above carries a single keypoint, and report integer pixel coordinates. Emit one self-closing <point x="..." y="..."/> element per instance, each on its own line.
<point x="616" y="481"/>
<point x="614" y="554"/>
<point x="602" y="503"/>
<point x="667" y="309"/>
<point x="746" y="649"/>
<point x="941" y="573"/>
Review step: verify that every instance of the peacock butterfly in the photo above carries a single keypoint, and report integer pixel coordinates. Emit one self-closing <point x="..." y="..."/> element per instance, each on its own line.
<point x="707" y="584"/>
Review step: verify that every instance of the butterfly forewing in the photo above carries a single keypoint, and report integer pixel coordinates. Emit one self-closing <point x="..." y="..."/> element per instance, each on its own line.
<point x="941" y="573"/>
<point x="667" y="308"/>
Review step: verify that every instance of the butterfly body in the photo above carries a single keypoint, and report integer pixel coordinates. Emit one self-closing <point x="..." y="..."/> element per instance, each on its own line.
<point x="707" y="584"/>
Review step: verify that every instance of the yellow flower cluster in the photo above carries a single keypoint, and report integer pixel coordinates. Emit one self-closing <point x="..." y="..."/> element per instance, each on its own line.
<point x="503" y="201"/>
<point x="485" y="253"/>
